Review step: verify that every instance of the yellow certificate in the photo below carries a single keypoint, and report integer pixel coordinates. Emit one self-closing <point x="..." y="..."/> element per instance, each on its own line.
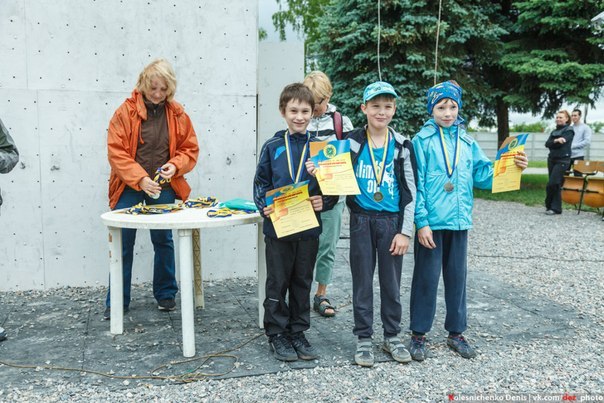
<point x="506" y="175"/>
<point x="293" y="211"/>
<point x="335" y="173"/>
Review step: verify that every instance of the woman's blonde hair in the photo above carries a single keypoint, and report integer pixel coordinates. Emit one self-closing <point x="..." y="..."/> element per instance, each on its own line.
<point x="565" y="112"/>
<point x="159" y="68"/>
<point x="319" y="85"/>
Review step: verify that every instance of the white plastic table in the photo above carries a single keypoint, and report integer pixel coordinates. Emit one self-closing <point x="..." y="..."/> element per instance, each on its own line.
<point x="187" y="222"/>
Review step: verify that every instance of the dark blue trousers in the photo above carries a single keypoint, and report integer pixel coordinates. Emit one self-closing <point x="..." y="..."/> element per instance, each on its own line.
<point x="370" y="239"/>
<point x="164" y="266"/>
<point x="450" y="256"/>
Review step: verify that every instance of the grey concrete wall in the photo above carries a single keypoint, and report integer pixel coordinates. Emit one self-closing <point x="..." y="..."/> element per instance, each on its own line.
<point x="535" y="147"/>
<point x="65" y="67"/>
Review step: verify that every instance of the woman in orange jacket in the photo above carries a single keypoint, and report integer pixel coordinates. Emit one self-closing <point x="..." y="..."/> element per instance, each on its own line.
<point x="151" y="144"/>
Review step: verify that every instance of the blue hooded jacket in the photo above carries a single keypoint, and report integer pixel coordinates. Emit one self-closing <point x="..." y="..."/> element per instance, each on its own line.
<point x="435" y="207"/>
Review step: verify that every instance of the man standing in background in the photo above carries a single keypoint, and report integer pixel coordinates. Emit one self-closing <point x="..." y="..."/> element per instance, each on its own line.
<point x="580" y="141"/>
<point x="9" y="156"/>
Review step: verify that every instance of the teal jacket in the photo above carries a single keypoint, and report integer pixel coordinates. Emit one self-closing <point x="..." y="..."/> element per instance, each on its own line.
<point x="439" y="209"/>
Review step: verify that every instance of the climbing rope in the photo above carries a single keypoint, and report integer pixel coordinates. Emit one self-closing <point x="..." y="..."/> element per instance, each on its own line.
<point x="440" y="7"/>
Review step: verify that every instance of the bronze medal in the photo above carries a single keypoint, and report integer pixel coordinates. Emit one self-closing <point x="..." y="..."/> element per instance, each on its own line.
<point x="448" y="187"/>
<point x="378" y="196"/>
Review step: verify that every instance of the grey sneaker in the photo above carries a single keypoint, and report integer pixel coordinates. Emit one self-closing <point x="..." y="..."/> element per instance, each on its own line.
<point x="282" y="348"/>
<point x="396" y="348"/>
<point x="303" y="348"/>
<point x="417" y="348"/>
<point x="364" y="354"/>
<point x="461" y="346"/>
<point x="166" y="304"/>
<point x="107" y="313"/>
<point x="2" y="334"/>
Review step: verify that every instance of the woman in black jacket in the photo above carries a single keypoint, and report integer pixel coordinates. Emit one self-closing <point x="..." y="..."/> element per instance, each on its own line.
<point x="558" y="161"/>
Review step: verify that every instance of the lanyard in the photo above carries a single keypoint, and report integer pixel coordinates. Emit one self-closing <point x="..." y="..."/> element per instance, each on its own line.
<point x="159" y="179"/>
<point x="378" y="171"/>
<point x="290" y="157"/>
<point x="450" y="166"/>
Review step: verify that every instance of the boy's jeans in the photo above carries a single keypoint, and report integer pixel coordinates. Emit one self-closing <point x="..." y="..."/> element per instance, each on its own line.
<point x="370" y="239"/>
<point x="450" y="255"/>
<point x="164" y="266"/>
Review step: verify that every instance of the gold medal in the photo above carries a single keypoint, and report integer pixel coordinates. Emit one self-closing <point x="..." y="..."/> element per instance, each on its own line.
<point x="378" y="196"/>
<point x="449" y="187"/>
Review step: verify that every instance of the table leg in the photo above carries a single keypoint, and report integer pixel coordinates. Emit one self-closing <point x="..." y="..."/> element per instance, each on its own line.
<point x="186" y="291"/>
<point x="261" y="247"/>
<point x="198" y="278"/>
<point x="116" y="280"/>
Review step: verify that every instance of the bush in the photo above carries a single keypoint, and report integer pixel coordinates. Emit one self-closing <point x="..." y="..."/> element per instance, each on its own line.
<point x="597" y="126"/>
<point x="537" y="127"/>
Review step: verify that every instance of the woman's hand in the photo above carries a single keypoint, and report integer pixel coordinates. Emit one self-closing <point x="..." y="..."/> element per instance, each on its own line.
<point x="317" y="202"/>
<point x="560" y="140"/>
<point x="399" y="245"/>
<point x="310" y="167"/>
<point x="149" y="186"/>
<point x="424" y="235"/>
<point x="521" y="160"/>
<point x="167" y="170"/>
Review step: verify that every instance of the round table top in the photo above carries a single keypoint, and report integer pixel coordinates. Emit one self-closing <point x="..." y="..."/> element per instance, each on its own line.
<point x="189" y="218"/>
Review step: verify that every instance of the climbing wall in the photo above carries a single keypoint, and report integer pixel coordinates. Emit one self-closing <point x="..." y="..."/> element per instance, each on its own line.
<point x="65" y="67"/>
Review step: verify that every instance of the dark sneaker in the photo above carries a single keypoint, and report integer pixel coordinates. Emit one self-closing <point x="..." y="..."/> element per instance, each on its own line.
<point x="107" y="313"/>
<point x="282" y="348"/>
<point x="303" y="348"/>
<point x="166" y="304"/>
<point x="2" y="334"/>
<point x="364" y="354"/>
<point x="396" y="348"/>
<point x="460" y="345"/>
<point x="417" y="348"/>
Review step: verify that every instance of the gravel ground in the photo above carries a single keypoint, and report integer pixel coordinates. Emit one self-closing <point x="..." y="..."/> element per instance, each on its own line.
<point x="544" y="274"/>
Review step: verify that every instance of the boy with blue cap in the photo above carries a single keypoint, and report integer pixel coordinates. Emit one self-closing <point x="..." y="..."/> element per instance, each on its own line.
<point x="381" y="220"/>
<point x="449" y="164"/>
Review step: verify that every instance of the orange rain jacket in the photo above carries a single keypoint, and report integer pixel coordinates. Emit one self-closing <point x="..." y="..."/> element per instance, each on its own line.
<point x="125" y="134"/>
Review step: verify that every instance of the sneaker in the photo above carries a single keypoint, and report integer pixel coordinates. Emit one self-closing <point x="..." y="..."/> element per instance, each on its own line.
<point x="2" y="334"/>
<point x="396" y="348"/>
<point x="166" y="304"/>
<point x="549" y="212"/>
<point x="364" y="354"/>
<point x="417" y="348"/>
<point x="461" y="346"/>
<point x="282" y="348"/>
<point x="303" y="348"/>
<point x="107" y="313"/>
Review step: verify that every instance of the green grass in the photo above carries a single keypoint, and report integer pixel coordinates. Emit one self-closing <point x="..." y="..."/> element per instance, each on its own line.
<point x="531" y="193"/>
<point x="537" y="164"/>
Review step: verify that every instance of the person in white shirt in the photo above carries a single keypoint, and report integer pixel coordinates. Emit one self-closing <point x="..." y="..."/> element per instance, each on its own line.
<point x="581" y="140"/>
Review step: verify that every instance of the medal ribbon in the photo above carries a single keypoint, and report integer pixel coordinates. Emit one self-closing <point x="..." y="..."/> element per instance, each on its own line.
<point x="450" y="167"/>
<point x="377" y="170"/>
<point x="290" y="157"/>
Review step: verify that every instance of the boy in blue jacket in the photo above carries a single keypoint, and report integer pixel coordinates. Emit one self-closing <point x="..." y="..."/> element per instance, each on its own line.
<point x="449" y="164"/>
<point x="289" y="260"/>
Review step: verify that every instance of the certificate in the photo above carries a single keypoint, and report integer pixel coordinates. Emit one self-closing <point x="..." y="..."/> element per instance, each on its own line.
<point x="506" y="175"/>
<point x="334" y="167"/>
<point x="293" y="211"/>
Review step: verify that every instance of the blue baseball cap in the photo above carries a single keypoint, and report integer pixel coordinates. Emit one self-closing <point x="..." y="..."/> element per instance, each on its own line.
<point x="378" y="88"/>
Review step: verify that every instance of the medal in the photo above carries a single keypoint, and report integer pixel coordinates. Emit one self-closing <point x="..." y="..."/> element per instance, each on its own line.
<point x="378" y="170"/>
<point x="448" y="187"/>
<point x="290" y="163"/>
<point x="449" y="165"/>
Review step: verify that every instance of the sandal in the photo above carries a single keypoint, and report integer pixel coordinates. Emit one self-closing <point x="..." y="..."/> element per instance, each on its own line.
<point x="321" y="304"/>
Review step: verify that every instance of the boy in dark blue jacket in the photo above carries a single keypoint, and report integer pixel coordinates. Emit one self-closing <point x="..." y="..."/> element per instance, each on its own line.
<point x="289" y="260"/>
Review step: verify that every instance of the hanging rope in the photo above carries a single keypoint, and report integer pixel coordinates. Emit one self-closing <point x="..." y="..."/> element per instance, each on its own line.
<point x="440" y="7"/>
<point x="379" y="34"/>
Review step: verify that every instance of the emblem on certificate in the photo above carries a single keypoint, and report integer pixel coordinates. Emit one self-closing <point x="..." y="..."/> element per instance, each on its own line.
<point x="378" y="196"/>
<point x="448" y="187"/>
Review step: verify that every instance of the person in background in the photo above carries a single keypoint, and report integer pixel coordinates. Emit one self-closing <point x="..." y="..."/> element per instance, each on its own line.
<point x="327" y="124"/>
<point x="9" y="156"/>
<point x="151" y="140"/>
<point x="581" y="140"/>
<point x="558" y="161"/>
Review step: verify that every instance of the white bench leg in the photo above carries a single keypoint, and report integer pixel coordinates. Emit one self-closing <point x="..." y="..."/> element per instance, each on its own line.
<point x="116" y="280"/>
<point x="186" y="292"/>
